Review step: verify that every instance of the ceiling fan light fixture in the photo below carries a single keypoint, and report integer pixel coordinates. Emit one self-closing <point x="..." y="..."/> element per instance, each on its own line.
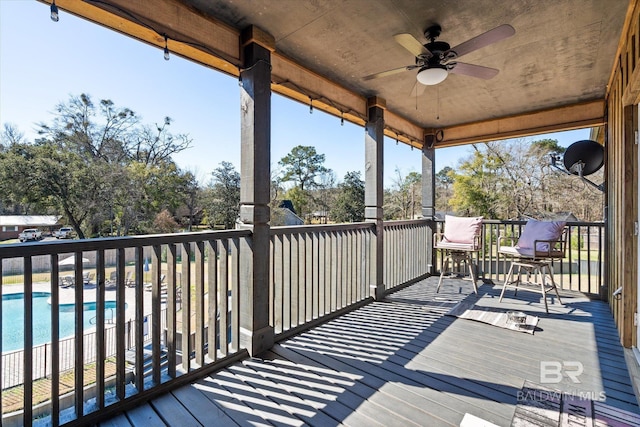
<point x="432" y="76"/>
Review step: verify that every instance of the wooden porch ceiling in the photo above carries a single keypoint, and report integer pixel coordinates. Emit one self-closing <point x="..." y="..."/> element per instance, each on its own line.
<point x="553" y="72"/>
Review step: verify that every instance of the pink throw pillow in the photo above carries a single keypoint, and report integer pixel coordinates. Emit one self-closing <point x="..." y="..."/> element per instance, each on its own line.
<point x="461" y="229"/>
<point x="540" y="230"/>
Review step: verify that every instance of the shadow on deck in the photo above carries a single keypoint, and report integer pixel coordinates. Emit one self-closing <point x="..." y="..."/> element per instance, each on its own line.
<point x="403" y="362"/>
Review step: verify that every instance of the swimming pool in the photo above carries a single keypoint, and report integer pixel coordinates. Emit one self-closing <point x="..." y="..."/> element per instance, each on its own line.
<point x="13" y="319"/>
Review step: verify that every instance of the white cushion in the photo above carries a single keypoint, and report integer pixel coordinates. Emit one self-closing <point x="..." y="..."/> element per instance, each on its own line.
<point x="461" y="229"/>
<point x="540" y="230"/>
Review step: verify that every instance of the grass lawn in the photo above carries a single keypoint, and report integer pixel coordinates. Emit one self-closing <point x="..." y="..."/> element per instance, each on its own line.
<point x="13" y="398"/>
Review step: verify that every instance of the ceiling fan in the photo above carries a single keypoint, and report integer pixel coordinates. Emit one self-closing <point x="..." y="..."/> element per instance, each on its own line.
<point x="436" y="59"/>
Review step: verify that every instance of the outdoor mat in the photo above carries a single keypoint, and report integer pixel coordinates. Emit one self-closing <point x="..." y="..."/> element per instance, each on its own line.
<point x="492" y="316"/>
<point x="545" y="407"/>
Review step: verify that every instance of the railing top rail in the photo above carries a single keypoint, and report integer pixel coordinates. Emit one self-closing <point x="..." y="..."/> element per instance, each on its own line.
<point x="524" y="221"/>
<point x="420" y="221"/>
<point x="64" y="247"/>
<point x="294" y="229"/>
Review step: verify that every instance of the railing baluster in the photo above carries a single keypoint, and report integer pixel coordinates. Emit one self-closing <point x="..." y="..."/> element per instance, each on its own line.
<point x="588" y="237"/>
<point x="156" y="279"/>
<point x="235" y="295"/>
<point x="295" y="285"/>
<point x="185" y="294"/>
<point x="55" y="340"/>
<point x="278" y="280"/>
<point x="344" y="268"/>
<point x="172" y="318"/>
<point x="308" y="277"/>
<point x="223" y="295"/>
<point x="28" y="340"/>
<point x="212" y="285"/>
<point x="120" y="324"/>
<point x="323" y="274"/>
<point x="334" y="257"/>
<point x="100" y="329"/>
<point x="140" y="318"/>
<point x="199" y="303"/>
<point x="600" y="258"/>
<point x="79" y="333"/>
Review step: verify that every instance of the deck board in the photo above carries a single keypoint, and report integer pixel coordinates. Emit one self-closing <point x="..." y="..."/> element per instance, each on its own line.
<point x="202" y="408"/>
<point x="404" y="362"/>
<point x="173" y="412"/>
<point x="117" y="421"/>
<point x="143" y="416"/>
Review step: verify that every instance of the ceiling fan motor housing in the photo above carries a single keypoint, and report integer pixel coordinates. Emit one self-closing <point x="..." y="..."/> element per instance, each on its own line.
<point x="437" y="47"/>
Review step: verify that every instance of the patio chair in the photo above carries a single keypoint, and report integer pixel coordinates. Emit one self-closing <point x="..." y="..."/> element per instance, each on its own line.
<point x="88" y="277"/>
<point x="128" y="279"/>
<point x="461" y="238"/>
<point x="539" y="244"/>
<point x="111" y="281"/>
<point x="67" y="281"/>
<point x="163" y="286"/>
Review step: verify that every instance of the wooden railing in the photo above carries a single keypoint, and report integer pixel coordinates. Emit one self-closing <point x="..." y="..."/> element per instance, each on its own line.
<point x="582" y="270"/>
<point x="177" y="310"/>
<point x="184" y="305"/>
<point x="318" y="270"/>
<point x="407" y="251"/>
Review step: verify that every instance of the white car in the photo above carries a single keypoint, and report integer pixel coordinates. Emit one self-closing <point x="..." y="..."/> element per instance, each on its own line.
<point x="63" y="233"/>
<point x="30" y="234"/>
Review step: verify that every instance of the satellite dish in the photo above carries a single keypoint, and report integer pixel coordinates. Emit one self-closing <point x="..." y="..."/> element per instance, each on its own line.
<point x="584" y="157"/>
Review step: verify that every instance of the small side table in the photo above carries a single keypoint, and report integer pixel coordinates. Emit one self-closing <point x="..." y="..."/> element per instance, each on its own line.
<point x="540" y="270"/>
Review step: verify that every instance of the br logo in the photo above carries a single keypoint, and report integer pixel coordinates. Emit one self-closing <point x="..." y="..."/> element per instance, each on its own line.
<point x="551" y="371"/>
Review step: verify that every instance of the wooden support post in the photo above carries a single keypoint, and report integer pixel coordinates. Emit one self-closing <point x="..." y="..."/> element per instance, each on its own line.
<point x="256" y="333"/>
<point x="428" y="182"/>
<point x="429" y="197"/>
<point x="374" y="189"/>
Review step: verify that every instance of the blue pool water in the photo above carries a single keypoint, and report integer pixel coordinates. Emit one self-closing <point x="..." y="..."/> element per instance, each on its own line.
<point x="13" y="319"/>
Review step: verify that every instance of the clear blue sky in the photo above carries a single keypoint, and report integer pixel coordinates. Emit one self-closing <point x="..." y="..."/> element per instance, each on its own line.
<point x="42" y="63"/>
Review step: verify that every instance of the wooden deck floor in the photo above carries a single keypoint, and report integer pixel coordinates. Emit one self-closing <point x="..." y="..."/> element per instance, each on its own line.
<point x="402" y="362"/>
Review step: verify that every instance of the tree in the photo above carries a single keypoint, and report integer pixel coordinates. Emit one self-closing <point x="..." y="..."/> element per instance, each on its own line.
<point x="11" y="135"/>
<point x="191" y="193"/>
<point x="49" y="179"/>
<point x="349" y="205"/>
<point x="477" y="186"/>
<point x="444" y="188"/>
<point x="514" y="179"/>
<point x="302" y="165"/>
<point x="222" y="196"/>
<point x="404" y="199"/>
<point x="323" y="196"/>
<point x="165" y="222"/>
<point x="96" y="165"/>
<point x="300" y="199"/>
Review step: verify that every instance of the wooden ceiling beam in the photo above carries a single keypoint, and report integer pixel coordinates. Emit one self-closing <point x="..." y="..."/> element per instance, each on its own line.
<point x="190" y="34"/>
<point x="576" y="116"/>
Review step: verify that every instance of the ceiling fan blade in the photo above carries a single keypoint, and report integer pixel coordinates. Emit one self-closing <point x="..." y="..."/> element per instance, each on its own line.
<point x="389" y="72"/>
<point x="492" y="36"/>
<point x="412" y="44"/>
<point x="473" y="70"/>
